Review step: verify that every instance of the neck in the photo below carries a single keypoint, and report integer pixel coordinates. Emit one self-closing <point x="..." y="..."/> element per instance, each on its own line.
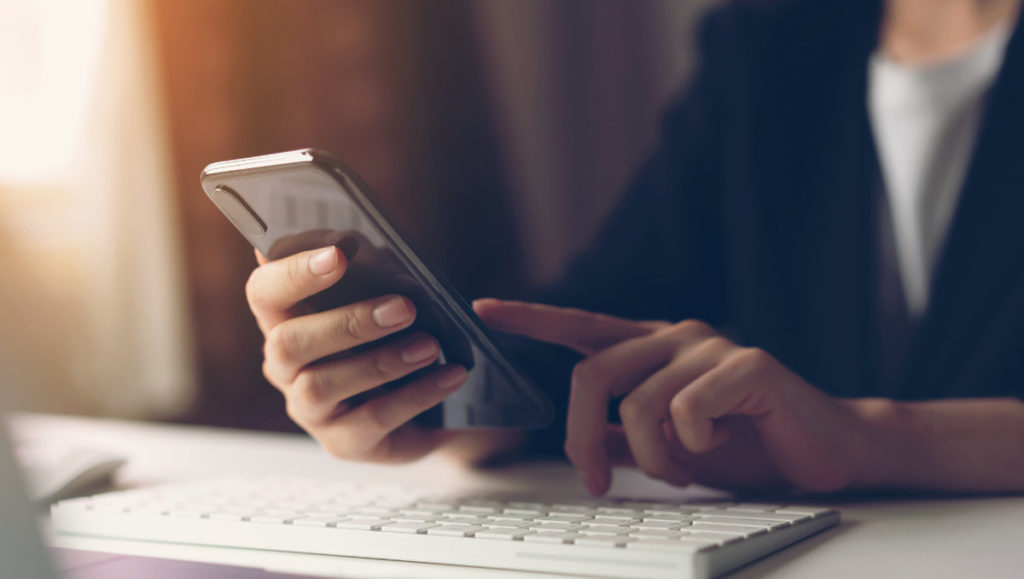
<point x="924" y="31"/>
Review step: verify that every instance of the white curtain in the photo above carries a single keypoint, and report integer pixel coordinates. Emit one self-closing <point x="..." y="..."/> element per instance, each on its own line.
<point x="93" y="296"/>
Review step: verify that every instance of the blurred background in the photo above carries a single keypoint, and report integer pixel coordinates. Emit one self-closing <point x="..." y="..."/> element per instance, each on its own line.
<point x="499" y="133"/>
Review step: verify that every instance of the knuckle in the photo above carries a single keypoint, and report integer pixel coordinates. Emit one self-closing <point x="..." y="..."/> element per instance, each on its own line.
<point x="374" y="420"/>
<point x="425" y="398"/>
<point x="693" y="327"/>
<point x="268" y="373"/>
<point x="717" y="343"/>
<point x="385" y="366"/>
<point x="681" y="407"/>
<point x="632" y="408"/>
<point x="297" y="272"/>
<point x="751" y="359"/>
<point x="354" y="326"/>
<point x="254" y="288"/>
<point x="281" y="344"/>
<point x="586" y="373"/>
<point x="293" y="412"/>
<point x="310" y="388"/>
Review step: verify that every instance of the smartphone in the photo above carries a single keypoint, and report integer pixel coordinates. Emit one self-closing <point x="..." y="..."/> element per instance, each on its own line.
<point x="289" y="202"/>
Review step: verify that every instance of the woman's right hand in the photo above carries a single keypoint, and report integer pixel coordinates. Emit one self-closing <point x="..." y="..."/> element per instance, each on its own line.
<point x="320" y="393"/>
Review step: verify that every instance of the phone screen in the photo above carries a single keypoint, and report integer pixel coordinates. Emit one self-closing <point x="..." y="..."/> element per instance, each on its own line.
<point x="286" y="207"/>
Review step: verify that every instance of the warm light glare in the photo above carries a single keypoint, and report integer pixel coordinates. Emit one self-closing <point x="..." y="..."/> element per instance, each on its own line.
<point x="49" y="54"/>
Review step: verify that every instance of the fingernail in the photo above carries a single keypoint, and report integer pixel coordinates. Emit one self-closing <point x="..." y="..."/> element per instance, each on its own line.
<point x="323" y="262"/>
<point x="391" y="313"/>
<point x="418" y="351"/>
<point x="452" y="378"/>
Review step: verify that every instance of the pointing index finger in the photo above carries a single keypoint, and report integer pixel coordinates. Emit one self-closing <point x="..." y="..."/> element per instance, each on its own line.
<point x="583" y="331"/>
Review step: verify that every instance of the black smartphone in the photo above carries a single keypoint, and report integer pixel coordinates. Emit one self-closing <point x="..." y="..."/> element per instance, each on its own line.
<point x="288" y="202"/>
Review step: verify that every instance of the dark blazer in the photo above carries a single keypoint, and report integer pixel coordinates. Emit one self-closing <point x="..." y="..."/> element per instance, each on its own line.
<point x="758" y="215"/>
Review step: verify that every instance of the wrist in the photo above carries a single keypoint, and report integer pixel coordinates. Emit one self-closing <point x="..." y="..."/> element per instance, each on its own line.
<point x="882" y="454"/>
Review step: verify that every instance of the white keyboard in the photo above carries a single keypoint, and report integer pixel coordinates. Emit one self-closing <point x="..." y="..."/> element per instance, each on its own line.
<point x="610" y="538"/>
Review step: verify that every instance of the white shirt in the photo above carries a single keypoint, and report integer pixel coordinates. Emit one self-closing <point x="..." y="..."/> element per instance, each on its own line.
<point x="925" y="120"/>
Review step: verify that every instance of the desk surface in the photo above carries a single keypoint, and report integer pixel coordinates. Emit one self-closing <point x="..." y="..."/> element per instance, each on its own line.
<point x="926" y="537"/>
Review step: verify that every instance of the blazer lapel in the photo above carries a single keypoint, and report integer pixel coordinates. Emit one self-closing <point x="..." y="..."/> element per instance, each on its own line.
<point x="984" y="251"/>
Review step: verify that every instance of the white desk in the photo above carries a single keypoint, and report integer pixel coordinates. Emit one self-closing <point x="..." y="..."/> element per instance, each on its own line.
<point x="972" y="537"/>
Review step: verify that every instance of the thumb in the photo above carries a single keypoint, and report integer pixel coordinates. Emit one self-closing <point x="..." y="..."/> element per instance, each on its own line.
<point x="585" y="332"/>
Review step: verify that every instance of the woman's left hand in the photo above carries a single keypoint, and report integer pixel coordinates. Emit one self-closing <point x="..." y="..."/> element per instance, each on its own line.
<point x="695" y="407"/>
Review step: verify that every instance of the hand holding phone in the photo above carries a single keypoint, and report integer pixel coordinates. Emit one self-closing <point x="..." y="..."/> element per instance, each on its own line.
<point x="329" y="399"/>
<point x="362" y="333"/>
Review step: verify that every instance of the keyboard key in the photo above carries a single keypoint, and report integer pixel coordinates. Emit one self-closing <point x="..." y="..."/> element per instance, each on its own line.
<point x="567" y="520"/>
<point x="414" y="528"/>
<point x="670" y="518"/>
<point x="572" y="527"/>
<point x="454" y="530"/>
<point x="722" y="513"/>
<point x="625" y="519"/>
<point x="603" y="530"/>
<point x="655" y="534"/>
<point x="657" y="525"/>
<point x="716" y="528"/>
<point x="719" y="537"/>
<point x="612" y="521"/>
<point x="507" y="524"/>
<point x="608" y="542"/>
<point x="772" y="516"/>
<point x="528" y="512"/>
<point x="812" y="511"/>
<point x="463" y="518"/>
<point x="413" y="518"/>
<point x="551" y="537"/>
<point x="627" y="513"/>
<point x="505" y="534"/>
<point x="759" y="523"/>
<point x="363" y="524"/>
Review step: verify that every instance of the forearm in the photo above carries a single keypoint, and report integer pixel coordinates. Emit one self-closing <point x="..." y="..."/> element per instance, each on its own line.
<point x="969" y="445"/>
